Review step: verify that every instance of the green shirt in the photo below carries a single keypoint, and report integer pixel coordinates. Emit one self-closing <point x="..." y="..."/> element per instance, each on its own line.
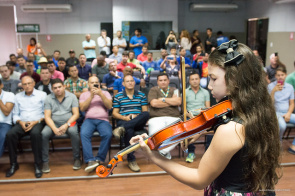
<point x="75" y="87"/>
<point x="196" y="100"/>
<point x="291" y="79"/>
<point x="134" y="61"/>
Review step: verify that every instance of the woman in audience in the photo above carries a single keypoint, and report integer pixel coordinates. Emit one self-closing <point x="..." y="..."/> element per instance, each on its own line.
<point x="171" y="41"/>
<point x="31" y="48"/>
<point x="171" y="68"/>
<point x="185" y="42"/>
<point x="243" y="157"/>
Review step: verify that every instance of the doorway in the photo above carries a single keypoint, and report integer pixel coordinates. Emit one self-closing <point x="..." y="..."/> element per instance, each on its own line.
<point x="257" y="30"/>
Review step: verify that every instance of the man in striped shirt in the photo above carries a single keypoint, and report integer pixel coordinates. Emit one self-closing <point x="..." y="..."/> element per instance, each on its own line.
<point x="131" y="111"/>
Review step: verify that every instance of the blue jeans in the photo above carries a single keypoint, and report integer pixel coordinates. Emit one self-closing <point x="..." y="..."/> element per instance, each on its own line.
<point x="105" y="132"/>
<point x="283" y="123"/>
<point x="4" y="128"/>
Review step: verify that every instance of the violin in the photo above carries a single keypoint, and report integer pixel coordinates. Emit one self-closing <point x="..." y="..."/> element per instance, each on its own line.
<point x="205" y="121"/>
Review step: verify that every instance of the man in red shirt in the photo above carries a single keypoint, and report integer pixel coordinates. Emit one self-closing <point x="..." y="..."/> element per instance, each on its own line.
<point x="121" y="66"/>
<point x="143" y="56"/>
<point x="30" y="71"/>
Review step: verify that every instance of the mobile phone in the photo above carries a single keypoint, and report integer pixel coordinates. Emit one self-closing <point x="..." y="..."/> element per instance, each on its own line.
<point x="170" y="58"/>
<point x="95" y="85"/>
<point x="276" y="53"/>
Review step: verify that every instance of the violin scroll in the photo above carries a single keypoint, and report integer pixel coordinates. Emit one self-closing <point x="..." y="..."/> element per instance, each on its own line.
<point x="103" y="171"/>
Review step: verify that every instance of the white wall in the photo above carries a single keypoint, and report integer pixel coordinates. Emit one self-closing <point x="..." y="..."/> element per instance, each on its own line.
<point x="85" y="17"/>
<point x="281" y="16"/>
<point x="7" y="31"/>
<point x="145" y="10"/>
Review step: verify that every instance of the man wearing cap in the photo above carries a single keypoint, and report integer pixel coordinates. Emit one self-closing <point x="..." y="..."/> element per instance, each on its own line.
<point x="43" y="63"/>
<point x="72" y="60"/>
<point x="89" y="48"/>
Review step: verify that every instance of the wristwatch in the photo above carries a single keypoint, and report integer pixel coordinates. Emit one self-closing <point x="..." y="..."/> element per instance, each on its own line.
<point x="68" y="124"/>
<point x="163" y="100"/>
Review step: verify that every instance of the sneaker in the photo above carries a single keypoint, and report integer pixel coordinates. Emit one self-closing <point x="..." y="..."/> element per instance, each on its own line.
<point x="91" y="166"/>
<point x="77" y="164"/>
<point x="118" y="132"/>
<point x="45" y="168"/>
<point x="290" y="150"/>
<point x="133" y="166"/>
<point x="190" y="157"/>
<point x="166" y="155"/>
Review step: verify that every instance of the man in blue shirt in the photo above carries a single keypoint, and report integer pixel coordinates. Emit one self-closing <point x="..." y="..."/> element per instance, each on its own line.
<point x="187" y="60"/>
<point x="283" y="95"/>
<point x="221" y="38"/>
<point x="109" y="78"/>
<point x="163" y="55"/>
<point x="137" y="41"/>
<point x="131" y="112"/>
<point x="28" y="117"/>
<point x="84" y="70"/>
<point x="118" y="84"/>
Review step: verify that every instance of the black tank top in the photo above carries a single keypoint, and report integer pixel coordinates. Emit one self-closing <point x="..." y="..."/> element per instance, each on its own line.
<point x="232" y="177"/>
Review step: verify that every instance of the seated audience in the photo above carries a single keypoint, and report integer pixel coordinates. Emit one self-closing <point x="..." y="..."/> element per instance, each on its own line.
<point x="131" y="112"/>
<point x="62" y="67"/>
<point x="132" y="59"/>
<point x="74" y="84"/>
<point x="163" y="55"/>
<point x="43" y="63"/>
<point x="9" y="85"/>
<point x="187" y="60"/>
<point x="164" y="102"/>
<point x="124" y="63"/>
<point x="291" y="78"/>
<point x="171" y="67"/>
<point x="173" y="51"/>
<point x="84" y="69"/>
<point x="6" y="106"/>
<point x="54" y="73"/>
<point x="197" y="98"/>
<point x="12" y="58"/>
<point x="283" y="95"/>
<point x="101" y="68"/>
<point x="118" y="83"/>
<point x="95" y="103"/>
<point x="21" y="65"/>
<point x="13" y="74"/>
<point x="198" y="56"/>
<point x="116" y="55"/>
<point x="45" y="83"/>
<point x="61" y="111"/>
<point x="32" y="57"/>
<point x="143" y="56"/>
<point x="271" y="69"/>
<point x="28" y="117"/>
<point x="72" y="60"/>
<point x="55" y="57"/>
<point x="149" y="63"/>
<point x="30" y="71"/>
<point x="107" y="60"/>
<point x="109" y="79"/>
<point x="202" y="67"/>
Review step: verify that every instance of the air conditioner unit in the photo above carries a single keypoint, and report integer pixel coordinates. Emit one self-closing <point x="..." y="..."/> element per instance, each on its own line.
<point x="46" y="8"/>
<point x="194" y="7"/>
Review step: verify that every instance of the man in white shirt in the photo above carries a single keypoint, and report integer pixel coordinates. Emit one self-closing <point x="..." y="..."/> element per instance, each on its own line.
<point x="120" y="42"/>
<point x="6" y="106"/>
<point x="28" y="117"/>
<point x="104" y="42"/>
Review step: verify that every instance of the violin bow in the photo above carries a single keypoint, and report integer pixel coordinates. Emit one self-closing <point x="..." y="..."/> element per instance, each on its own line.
<point x="183" y="81"/>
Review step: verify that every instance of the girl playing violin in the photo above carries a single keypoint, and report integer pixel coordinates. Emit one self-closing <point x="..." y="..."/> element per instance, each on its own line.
<point x="243" y="157"/>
